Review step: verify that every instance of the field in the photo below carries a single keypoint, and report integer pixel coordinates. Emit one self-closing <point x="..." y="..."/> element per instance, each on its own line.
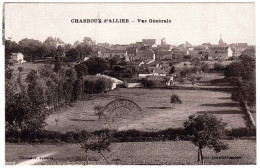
<point x="170" y="152"/>
<point x="158" y="112"/>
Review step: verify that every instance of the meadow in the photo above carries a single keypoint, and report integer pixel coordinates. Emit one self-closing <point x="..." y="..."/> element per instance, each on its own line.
<point x="240" y="152"/>
<point x="157" y="111"/>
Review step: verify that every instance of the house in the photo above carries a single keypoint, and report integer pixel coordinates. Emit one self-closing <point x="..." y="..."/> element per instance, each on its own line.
<point x="238" y="48"/>
<point x="178" y="54"/>
<point x="164" y="55"/>
<point x="250" y="51"/>
<point x="218" y="52"/>
<point x="149" y="42"/>
<point x="133" y="83"/>
<point x="17" y="58"/>
<point x="131" y="52"/>
<point x="138" y="45"/>
<point x="110" y="53"/>
<point x="198" y="51"/>
<point x="134" y="65"/>
<point x="148" y="54"/>
<point x="144" y="73"/>
<point x="157" y="71"/>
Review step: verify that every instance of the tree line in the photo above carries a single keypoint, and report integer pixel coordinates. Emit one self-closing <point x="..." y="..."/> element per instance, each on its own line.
<point x="31" y="100"/>
<point x="37" y="50"/>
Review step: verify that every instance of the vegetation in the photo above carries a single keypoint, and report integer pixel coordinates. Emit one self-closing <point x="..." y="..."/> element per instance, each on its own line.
<point x="99" y="111"/>
<point x="97" y="143"/>
<point x="242" y="76"/>
<point x="147" y="83"/>
<point x="175" y="99"/>
<point x="206" y="131"/>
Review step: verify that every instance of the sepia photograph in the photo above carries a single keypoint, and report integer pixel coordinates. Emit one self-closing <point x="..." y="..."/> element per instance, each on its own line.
<point x="162" y="83"/>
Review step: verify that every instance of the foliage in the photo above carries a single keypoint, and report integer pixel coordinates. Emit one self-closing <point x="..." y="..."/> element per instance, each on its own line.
<point x="77" y="90"/>
<point x="205" y="67"/>
<point x="147" y="83"/>
<point x="172" y="71"/>
<point x="205" y="131"/>
<point x="218" y="67"/>
<point x="99" y="111"/>
<point x="97" y="143"/>
<point x="97" y="86"/>
<point x="175" y="99"/>
<point x="96" y="65"/>
<point x="82" y="70"/>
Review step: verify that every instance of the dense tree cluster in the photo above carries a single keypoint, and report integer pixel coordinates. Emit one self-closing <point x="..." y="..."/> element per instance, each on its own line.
<point x="241" y="75"/>
<point x="30" y="101"/>
<point x="37" y="50"/>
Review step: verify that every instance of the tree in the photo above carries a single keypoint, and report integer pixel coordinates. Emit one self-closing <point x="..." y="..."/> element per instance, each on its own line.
<point x="172" y="71"/>
<point x="99" y="111"/>
<point x="205" y="67"/>
<point x="82" y="70"/>
<point x="36" y="118"/>
<point x="175" y="99"/>
<point x="57" y="65"/>
<point x="147" y="83"/>
<point x="19" y="79"/>
<point x="77" y="90"/>
<point x="242" y="76"/>
<point x="72" y="55"/>
<point x="96" y="65"/>
<point x="97" y="143"/>
<point x="205" y="131"/>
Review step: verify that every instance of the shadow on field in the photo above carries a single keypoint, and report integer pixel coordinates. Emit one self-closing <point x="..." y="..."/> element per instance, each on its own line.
<point x="74" y="119"/>
<point x="224" y="98"/>
<point x="222" y="105"/>
<point x="221" y="112"/>
<point x="159" y="107"/>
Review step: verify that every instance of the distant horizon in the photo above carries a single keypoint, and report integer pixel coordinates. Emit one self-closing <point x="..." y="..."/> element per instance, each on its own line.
<point x="196" y="23"/>
<point x="158" y="42"/>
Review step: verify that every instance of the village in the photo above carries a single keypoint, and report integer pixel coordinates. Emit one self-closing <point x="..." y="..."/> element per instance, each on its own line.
<point x="160" y="63"/>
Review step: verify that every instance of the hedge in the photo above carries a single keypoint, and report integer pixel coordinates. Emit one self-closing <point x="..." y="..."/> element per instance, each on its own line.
<point x="118" y="136"/>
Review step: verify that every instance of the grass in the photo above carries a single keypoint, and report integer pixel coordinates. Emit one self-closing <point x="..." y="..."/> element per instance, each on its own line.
<point x="158" y="113"/>
<point x="165" y="153"/>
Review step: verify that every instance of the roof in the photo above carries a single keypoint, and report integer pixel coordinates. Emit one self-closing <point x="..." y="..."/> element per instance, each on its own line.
<point x="158" y="70"/>
<point x="134" y="63"/>
<point x="179" y="50"/>
<point x="131" y="49"/>
<point x="132" y="80"/>
<point x="249" y="51"/>
<point x="157" y="78"/>
<point x="242" y="45"/>
<point x="200" y="47"/>
<point x="14" y="54"/>
<point x="164" y="52"/>
<point x="148" y="42"/>
<point x="218" y="47"/>
<point x="143" y="71"/>
<point x="147" y="61"/>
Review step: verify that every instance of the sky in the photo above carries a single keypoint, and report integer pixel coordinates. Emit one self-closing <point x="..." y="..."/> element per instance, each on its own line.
<point x="196" y="23"/>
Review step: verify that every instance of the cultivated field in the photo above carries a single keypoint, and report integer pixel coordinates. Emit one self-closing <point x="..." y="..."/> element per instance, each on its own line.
<point x="170" y="152"/>
<point x="158" y="112"/>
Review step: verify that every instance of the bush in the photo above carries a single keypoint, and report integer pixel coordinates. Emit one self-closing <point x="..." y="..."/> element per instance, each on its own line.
<point x="97" y="86"/>
<point x="171" y="134"/>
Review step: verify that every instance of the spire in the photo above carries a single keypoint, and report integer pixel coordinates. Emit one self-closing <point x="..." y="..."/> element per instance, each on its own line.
<point x="220" y="40"/>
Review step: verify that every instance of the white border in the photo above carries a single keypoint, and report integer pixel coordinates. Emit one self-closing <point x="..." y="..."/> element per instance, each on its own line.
<point x="2" y="83"/>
